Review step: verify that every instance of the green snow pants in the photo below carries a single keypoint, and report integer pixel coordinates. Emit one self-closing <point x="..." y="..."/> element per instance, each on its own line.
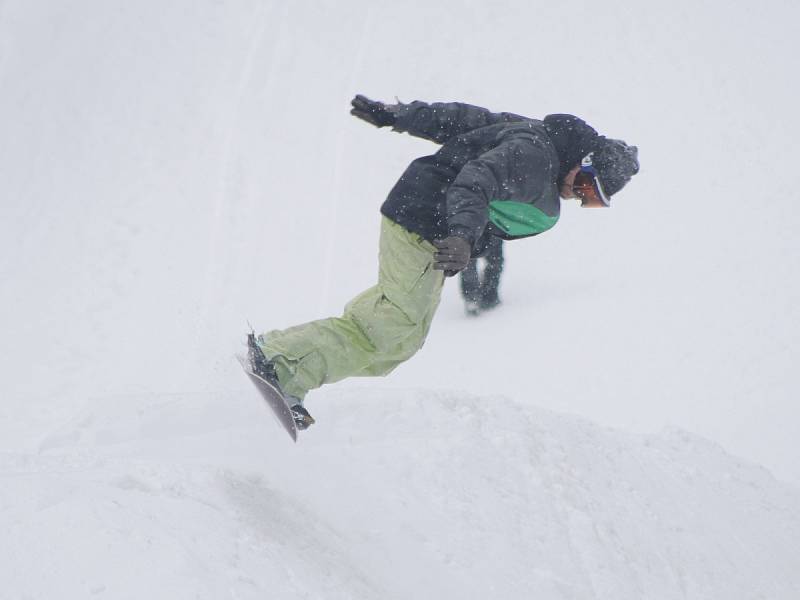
<point x="380" y="328"/>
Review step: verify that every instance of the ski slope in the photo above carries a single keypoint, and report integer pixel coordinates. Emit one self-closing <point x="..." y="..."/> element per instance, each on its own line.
<point x="172" y="171"/>
<point x="403" y="494"/>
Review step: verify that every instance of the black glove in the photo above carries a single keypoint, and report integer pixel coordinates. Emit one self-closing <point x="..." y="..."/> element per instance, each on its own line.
<point x="373" y="112"/>
<point x="452" y="255"/>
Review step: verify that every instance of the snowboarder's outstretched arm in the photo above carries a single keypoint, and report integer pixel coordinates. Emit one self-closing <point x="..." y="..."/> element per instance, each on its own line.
<point x="437" y="122"/>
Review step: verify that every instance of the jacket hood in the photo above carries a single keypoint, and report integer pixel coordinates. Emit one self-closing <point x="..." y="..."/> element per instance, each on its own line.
<point x="573" y="139"/>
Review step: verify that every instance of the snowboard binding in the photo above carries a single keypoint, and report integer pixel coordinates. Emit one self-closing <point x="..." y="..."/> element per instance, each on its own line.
<point x="265" y="369"/>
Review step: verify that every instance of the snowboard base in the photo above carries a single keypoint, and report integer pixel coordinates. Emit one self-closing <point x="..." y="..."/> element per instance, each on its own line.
<point x="273" y="397"/>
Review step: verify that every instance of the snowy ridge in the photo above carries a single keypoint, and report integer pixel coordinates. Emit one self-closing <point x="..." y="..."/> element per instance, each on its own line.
<point x="411" y="494"/>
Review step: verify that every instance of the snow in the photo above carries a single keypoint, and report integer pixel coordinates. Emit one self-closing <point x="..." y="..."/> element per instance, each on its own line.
<point x="411" y="494"/>
<point x="171" y="171"/>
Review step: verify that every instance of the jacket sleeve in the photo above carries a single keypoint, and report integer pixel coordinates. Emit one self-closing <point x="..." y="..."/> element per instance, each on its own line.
<point x="516" y="170"/>
<point x="440" y="121"/>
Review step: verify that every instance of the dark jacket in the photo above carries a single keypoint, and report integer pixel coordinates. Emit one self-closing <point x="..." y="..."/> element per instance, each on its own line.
<point x="495" y="174"/>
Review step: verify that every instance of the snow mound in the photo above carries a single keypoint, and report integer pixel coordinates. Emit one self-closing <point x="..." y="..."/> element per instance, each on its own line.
<point x="394" y="494"/>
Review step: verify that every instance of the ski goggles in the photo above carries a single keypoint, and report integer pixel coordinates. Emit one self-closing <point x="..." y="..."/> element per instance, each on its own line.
<point x="587" y="185"/>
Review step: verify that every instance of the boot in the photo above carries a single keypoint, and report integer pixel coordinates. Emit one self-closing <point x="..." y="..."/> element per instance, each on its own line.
<point x="265" y="368"/>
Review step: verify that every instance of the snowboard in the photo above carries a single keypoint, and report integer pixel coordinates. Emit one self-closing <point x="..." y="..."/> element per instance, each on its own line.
<point x="272" y="395"/>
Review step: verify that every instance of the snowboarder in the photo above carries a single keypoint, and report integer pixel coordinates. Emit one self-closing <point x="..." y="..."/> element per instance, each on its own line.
<point x="479" y="285"/>
<point x="496" y="175"/>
